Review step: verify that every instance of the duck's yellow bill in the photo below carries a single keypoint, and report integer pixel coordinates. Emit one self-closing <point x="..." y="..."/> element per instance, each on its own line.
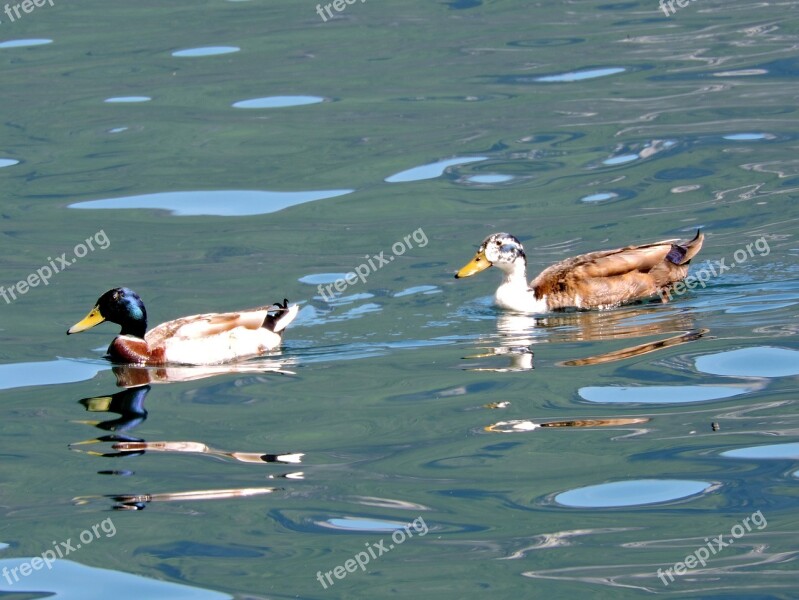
<point x="477" y="264"/>
<point x="89" y="321"/>
<point x="98" y="403"/>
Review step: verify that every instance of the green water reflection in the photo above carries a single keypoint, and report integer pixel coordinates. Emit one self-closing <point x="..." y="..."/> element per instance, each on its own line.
<point x="387" y="389"/>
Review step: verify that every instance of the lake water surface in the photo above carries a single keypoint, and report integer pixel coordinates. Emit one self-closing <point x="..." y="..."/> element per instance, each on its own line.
<point x="409" y="440"/>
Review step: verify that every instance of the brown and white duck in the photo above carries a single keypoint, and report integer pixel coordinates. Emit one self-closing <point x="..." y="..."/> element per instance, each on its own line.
<point x="596" y="280"/>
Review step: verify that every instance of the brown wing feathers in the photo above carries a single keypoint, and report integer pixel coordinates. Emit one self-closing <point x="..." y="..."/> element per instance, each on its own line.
<point x="616" y="276"/>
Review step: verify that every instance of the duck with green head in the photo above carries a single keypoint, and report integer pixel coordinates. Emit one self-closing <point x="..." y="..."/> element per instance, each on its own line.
<point x="205" y="339"/>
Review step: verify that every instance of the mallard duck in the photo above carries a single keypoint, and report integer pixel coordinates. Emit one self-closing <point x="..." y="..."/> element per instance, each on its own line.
<point x="602" y="279"/>
<point x="206" y="339"/>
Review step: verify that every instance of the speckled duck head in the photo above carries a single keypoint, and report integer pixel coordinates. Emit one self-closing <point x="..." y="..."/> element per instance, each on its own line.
<point x="501" y="250"/>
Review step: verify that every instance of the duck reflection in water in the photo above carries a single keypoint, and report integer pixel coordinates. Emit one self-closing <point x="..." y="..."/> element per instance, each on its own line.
<point x="518" y="334"/>
<point x="129" y="405"/>
<point x="138" y="375"/>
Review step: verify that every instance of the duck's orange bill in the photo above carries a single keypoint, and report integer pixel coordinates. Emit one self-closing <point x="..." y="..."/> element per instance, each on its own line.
<point x="477" y="264"/>
<point x="89" y="321"/>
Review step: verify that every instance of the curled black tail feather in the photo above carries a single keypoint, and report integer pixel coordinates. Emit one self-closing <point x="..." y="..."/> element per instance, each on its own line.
<point x="274" y="314"/>
<point x="677" y="253"/>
